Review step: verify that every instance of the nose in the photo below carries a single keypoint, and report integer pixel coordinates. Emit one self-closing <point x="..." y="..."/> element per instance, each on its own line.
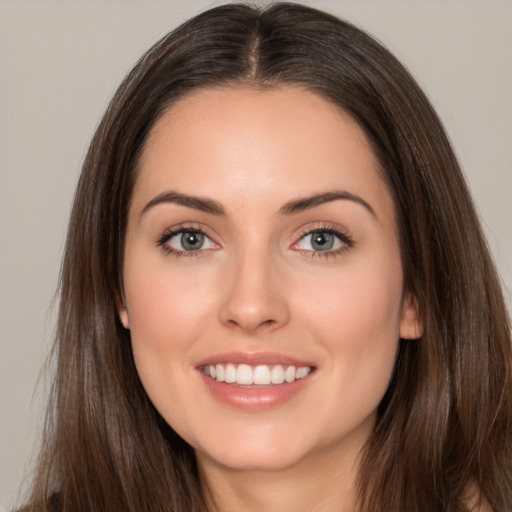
<point x="255" y="298"/>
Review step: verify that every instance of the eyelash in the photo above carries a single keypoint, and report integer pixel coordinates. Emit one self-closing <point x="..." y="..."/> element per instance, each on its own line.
<point x="343" y="237"/>
<point x="170" y="233"/>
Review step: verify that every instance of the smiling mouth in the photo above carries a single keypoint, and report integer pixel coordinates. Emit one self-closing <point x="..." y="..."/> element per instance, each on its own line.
<point x="259" y="375"/>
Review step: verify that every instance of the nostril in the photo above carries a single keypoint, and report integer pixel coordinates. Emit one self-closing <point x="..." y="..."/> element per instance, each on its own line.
<point x="251" y="326"/>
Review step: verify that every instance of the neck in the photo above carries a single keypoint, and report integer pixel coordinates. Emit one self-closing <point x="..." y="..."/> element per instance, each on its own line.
<point x="324" y="482"/>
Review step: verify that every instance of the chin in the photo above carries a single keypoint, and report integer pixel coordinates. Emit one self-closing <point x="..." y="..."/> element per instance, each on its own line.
<point x="252" y="459"/>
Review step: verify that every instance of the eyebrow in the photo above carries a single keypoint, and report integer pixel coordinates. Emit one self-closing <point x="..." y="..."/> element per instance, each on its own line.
<point x="197" y="203"/>
<point x="306" y="203"/>
<point x="295" y="206"/>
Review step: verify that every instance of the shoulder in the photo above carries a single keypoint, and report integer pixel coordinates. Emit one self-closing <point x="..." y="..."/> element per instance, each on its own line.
<point x="483" y="506"/>
<point x="476" y="500"/>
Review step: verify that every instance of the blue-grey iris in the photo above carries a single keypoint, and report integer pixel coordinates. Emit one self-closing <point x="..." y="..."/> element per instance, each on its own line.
<point x="192" y="241"/>
<point x="322" y="241"/>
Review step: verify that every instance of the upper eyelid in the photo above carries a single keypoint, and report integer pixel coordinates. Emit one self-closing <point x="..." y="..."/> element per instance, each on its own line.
<point x="330" y="227"/>
<point x="184" y="227"/>
<point x="343" y="235"/>
<point x="309" y="228"/>
<point x="162" y="241"/>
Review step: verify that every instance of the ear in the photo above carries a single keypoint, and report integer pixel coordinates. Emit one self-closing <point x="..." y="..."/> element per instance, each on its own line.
<point x="123" y="316"/>
<point x="411" y="326"/>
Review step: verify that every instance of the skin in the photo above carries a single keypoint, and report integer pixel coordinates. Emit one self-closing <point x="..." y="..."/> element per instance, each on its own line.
<point x="259" y="285"/>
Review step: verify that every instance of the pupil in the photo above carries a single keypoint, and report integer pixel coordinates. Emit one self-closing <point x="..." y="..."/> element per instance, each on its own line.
<point x="322" y="241"/>
<point x="192" y="241"/>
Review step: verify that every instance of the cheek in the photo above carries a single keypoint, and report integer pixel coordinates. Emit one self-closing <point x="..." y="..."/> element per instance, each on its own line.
<point x="172" y="315"/>
<point x="356" y="317"/>
<point x="167" y="311"/>
<point x="361" y="299"/>
<point x="165" y="304"/>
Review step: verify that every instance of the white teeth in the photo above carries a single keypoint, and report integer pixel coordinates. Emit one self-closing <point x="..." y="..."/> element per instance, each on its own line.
<point x="230" y="373"/>
<point x="289" y="374"/>
<point x="244" y="374"/>
<point x="277" y="375"/>
<point x="219" y="370"/>
<point x="261" y="375"/>
<point x="302" y="372"/>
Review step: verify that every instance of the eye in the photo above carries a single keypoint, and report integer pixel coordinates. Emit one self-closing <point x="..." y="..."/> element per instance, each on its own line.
<point x="183" y="241"/>
<point x="323" y="240"/>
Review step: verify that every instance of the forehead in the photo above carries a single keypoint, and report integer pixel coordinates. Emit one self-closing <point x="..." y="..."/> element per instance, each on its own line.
<point x="243" y="142"/>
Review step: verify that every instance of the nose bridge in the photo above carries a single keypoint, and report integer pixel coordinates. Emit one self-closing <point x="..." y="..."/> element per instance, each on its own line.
<point x="253" y="298"/>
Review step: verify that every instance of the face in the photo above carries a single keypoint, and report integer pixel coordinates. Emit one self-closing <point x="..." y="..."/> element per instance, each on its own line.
<point x="262" y="277"/>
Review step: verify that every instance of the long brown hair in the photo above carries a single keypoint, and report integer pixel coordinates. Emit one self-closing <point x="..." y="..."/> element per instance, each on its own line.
<point x="446" y="420"/>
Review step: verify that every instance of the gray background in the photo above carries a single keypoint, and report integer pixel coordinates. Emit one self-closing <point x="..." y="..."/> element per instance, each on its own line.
<point x="60" y="62"/>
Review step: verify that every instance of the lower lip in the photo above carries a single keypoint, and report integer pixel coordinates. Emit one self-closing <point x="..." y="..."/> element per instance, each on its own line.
<point x="254" y="399"/>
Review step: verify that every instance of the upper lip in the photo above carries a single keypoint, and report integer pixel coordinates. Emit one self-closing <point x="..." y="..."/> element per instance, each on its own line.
<point x="253" y="359"/>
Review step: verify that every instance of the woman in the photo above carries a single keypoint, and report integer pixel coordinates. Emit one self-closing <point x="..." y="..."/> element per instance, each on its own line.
<point x="275" y="290"/>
